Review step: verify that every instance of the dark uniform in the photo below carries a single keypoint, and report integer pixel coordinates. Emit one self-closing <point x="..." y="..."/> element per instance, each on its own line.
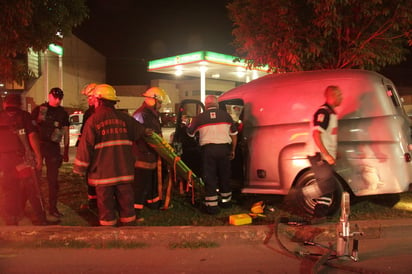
<point x="215" y="128"/>
<point x="50" y="122"/>
<point x="105" y="155"/>
<point x="145" y="186"/>
<point x="16" y="175"/>
<point x="91" y="190"/>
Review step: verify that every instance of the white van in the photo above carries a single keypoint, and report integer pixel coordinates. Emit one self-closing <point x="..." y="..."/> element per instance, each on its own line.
<point x="275" y="113"/>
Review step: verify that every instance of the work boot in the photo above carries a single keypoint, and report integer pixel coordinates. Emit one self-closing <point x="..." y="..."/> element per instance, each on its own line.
<point x="56" y="213"/>
<point x="226" y="205"/>
<point x="212" y="210"/>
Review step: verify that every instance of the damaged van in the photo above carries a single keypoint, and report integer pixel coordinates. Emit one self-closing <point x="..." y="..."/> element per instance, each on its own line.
<point x="275" y="112"/>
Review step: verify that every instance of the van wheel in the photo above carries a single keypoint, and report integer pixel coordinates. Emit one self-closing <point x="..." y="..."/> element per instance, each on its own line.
<point x="308" y="205"/>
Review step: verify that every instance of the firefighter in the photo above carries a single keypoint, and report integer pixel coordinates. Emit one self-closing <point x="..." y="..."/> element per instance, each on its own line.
<point x="19" y="156"/>
<point x="88" y="90"/>
<point x="148" y="163"/>
<point x="105" y="155"/>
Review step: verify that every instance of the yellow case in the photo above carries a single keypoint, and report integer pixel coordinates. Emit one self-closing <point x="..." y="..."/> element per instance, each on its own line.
<point x="240" y="219"/>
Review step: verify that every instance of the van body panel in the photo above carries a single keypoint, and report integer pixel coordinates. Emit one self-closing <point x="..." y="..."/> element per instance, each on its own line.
<point x="374" y="130"/>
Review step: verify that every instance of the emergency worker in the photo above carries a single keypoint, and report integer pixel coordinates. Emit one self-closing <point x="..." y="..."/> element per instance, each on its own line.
<point x="88" y="90"/>
<point x="19" y="157"/>
<point x="52" y="122"/>
<point x="105" y="155"/>
<point x="147" y="160"/>
<point x="217" y="138"/>
<point x="325" y="136"/>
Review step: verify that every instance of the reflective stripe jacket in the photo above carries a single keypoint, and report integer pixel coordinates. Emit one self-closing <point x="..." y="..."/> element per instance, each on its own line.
<point x="105" y="149"/>
<point x="145" y="156"/>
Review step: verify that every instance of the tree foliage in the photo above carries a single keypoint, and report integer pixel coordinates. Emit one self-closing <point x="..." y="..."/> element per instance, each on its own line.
<point x="33" y="24"/>
<point x="294" y="35"/>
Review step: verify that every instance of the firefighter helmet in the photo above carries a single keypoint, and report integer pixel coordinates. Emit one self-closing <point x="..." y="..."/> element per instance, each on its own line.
<point x="157" y="93"/>
<point x="105" y="91"/>
<point x="88" y="89"/>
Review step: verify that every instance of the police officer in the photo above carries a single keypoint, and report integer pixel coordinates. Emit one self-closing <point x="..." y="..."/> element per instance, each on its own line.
<point x="105" y="155"/>
<point x="19" y="156"/>
<point x="52" y="122"/>
<point x="218" y="139"/>
<point x="146" y="165"/>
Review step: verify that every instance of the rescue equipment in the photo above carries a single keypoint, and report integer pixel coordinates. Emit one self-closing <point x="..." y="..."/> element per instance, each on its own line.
<point x="257" y="208"/>
<point x="165" y="151"/>
<point x="240" y="219"/>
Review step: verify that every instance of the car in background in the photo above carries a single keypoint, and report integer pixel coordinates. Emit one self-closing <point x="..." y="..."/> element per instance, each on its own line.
<point x="168" y="122"/>
<point x="76" y="122"/>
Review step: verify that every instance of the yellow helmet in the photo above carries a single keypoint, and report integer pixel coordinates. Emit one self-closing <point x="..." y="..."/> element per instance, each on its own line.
<point x="105" y="91"/>
<point x="158" y="94"/>
<point x="88" y="89"/>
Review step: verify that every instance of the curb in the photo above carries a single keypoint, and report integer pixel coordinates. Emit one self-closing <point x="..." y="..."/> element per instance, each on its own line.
<point x="153" y="235"/>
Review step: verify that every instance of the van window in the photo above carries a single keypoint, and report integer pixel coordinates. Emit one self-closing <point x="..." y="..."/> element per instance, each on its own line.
<point x="234" y="108"/>
<point x="395" y="100"/>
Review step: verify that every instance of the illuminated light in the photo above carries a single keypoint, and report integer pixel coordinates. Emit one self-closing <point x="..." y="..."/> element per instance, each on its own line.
<point x="203" y="68"/>
<point x="255" y="74"/>
<point x="240" y="74"/>
<point x="56" y="49"/>
<point x="199" y="56"/>
<point x="178" y="72"/>
<point x="216" y="75"/>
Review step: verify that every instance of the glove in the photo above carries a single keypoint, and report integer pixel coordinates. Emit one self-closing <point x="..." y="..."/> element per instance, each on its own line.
<point x="66" y="154"/>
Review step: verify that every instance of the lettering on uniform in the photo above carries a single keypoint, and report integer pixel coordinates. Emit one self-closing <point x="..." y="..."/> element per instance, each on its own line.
<point x="110" y="122"/>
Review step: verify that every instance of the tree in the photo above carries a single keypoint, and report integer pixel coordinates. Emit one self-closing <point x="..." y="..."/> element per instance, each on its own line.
<point x="33" y="24"/>
<point x="294" y="35"/>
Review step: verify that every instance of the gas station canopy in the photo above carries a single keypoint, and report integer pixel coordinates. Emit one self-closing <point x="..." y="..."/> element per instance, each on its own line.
<point x="212" y="65"/>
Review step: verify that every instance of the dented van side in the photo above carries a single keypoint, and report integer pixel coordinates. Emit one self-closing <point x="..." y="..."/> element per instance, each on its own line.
<point x="276" y="136"/>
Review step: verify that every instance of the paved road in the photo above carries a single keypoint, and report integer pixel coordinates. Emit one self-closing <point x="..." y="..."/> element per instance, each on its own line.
<point x="376" y="256"/>
<point x="386" y="248"/>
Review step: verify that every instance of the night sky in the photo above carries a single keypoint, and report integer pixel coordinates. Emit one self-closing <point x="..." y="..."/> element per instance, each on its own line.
<point x="131" y="32"/>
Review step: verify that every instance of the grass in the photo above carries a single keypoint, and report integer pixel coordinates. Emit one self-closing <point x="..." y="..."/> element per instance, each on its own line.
<point x="193" y="245"/>
<point x="73" y="193"/>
